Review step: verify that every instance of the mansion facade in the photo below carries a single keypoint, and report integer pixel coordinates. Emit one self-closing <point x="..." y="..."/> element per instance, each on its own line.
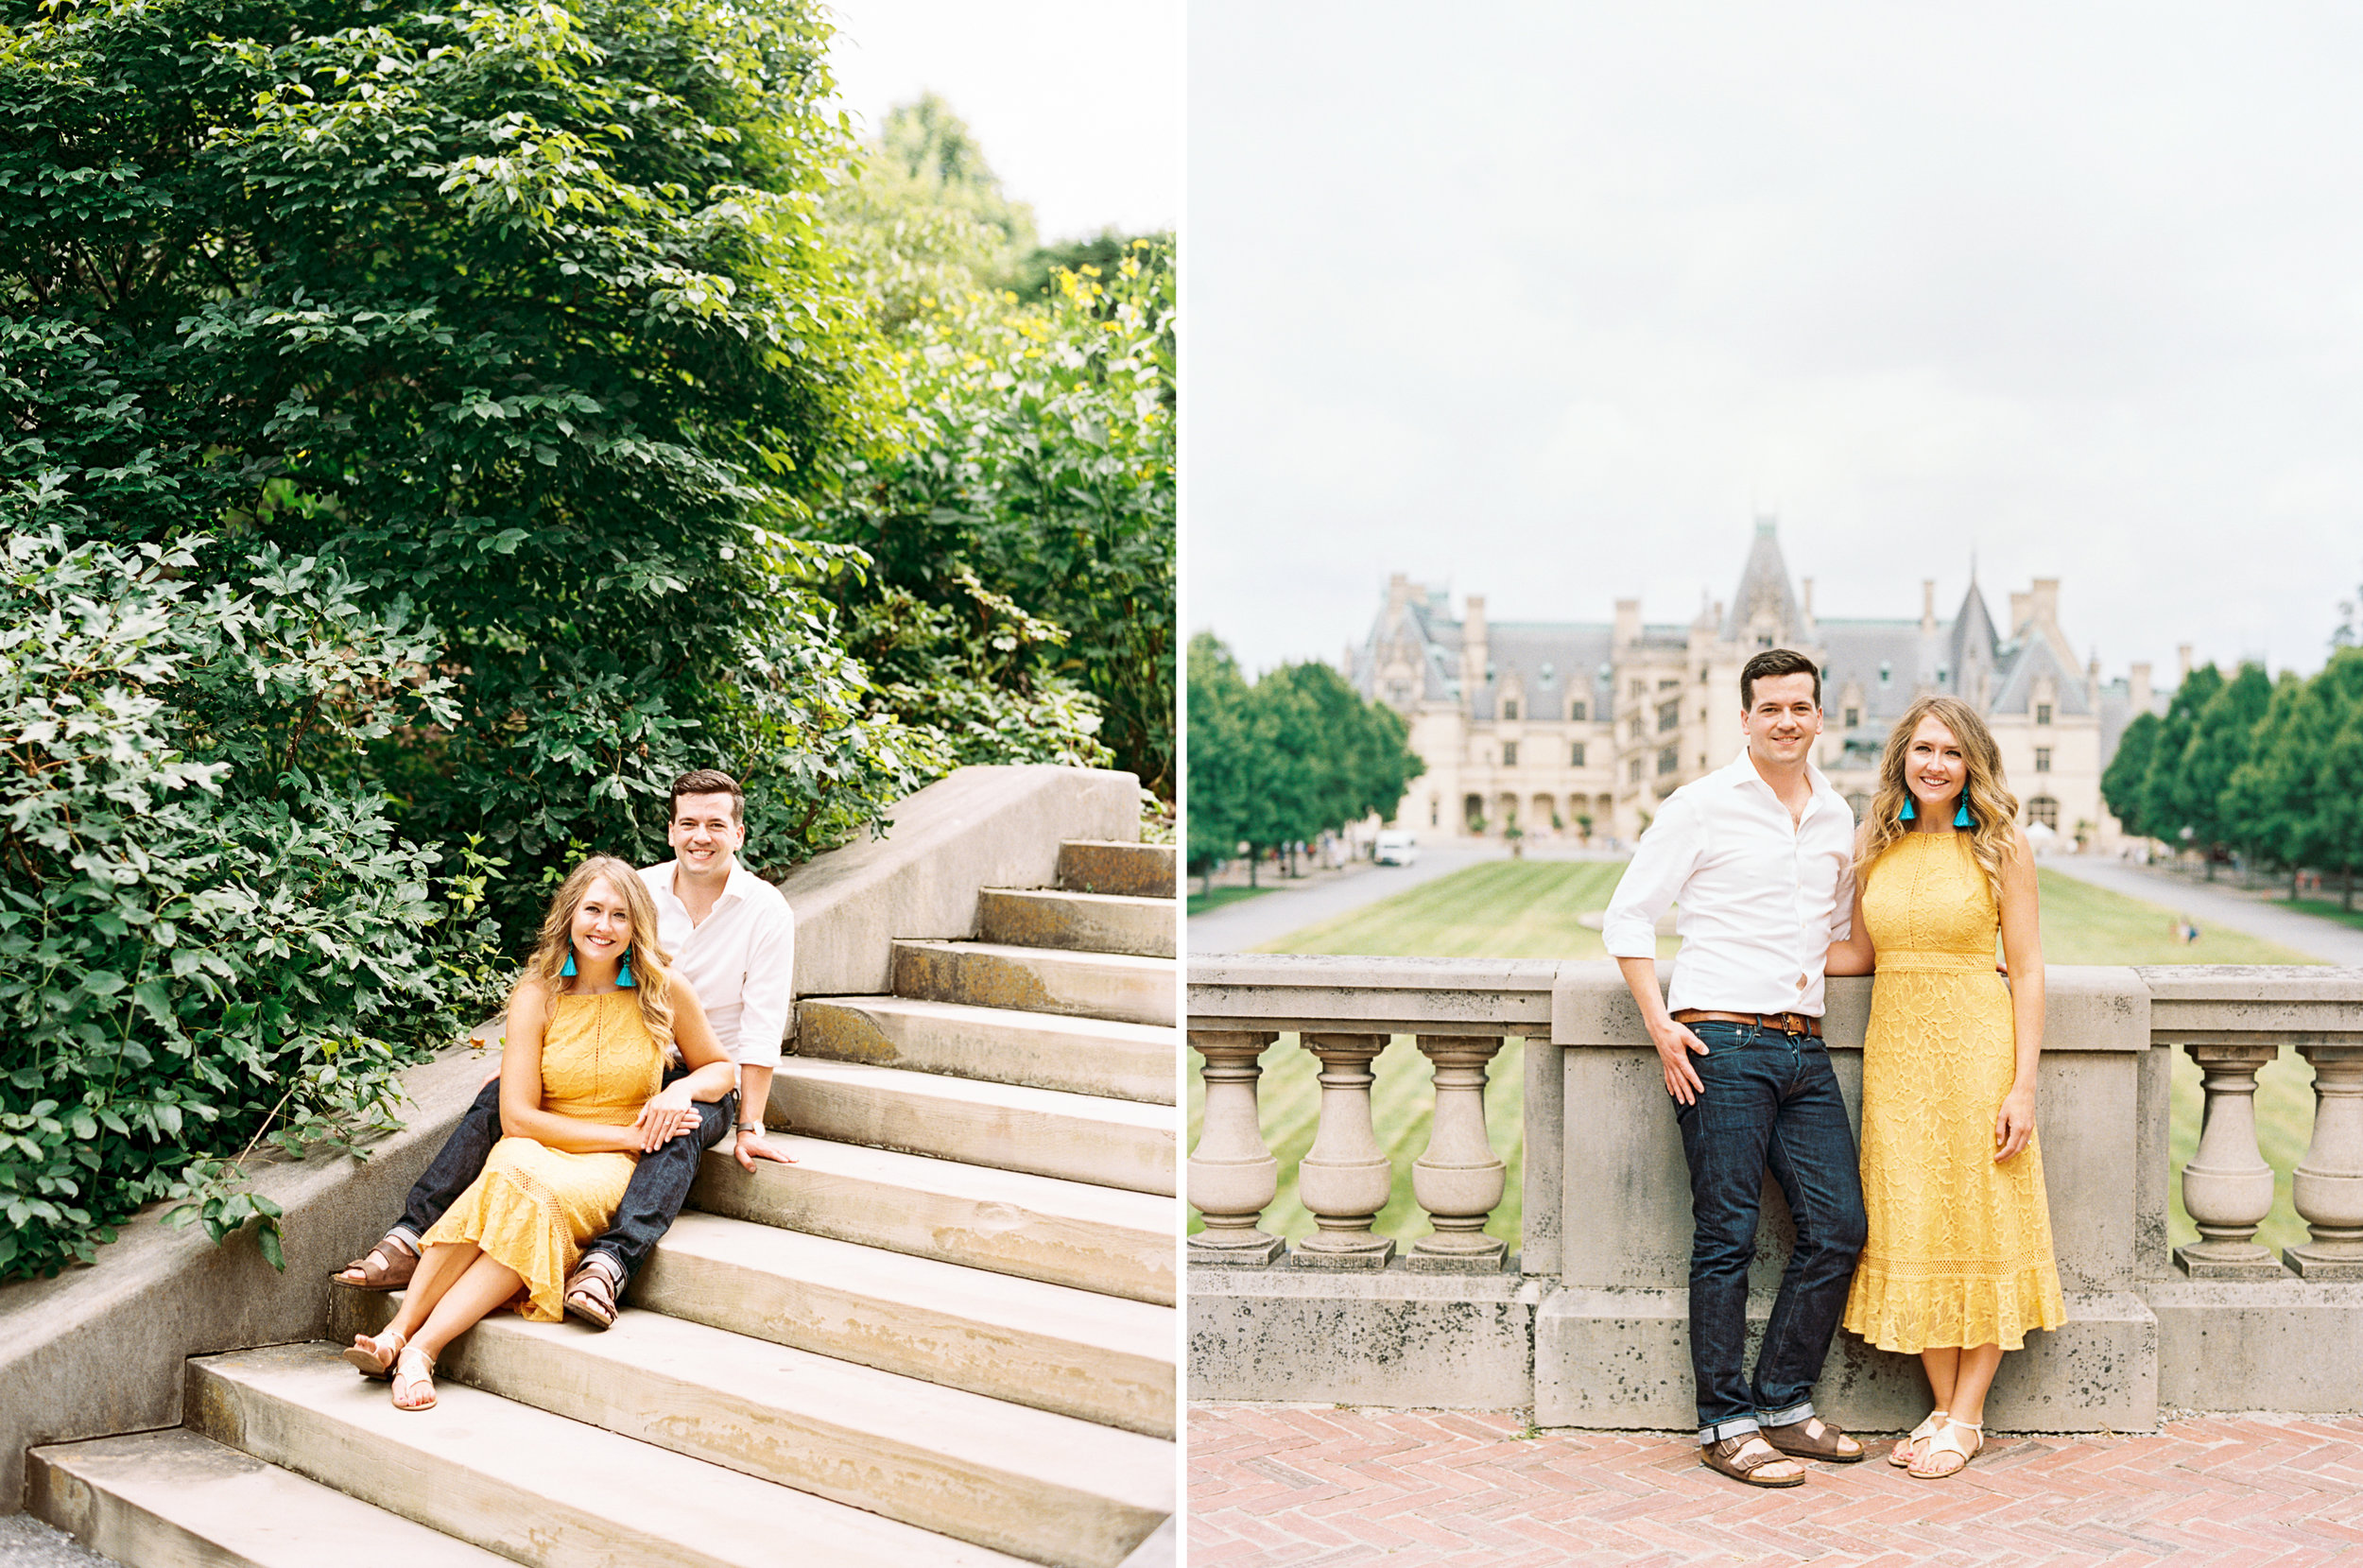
<point x="1578" y="729"/>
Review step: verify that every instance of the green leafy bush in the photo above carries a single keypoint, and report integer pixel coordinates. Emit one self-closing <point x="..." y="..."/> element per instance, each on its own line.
<point x="198" y="952"/>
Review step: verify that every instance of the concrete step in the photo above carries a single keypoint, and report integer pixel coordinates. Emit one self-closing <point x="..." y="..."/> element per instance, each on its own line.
<point x="1100" y="1358"/>
<point x="1040" y="1485"/>
<point x="1102" y="866"/>
<point x="1080" y="923"/>
<point x="157" y="1498"/>
<point x="1007" y="1126"/>
<point x="1087" y="1056"/>
<point x="534" y="1486"/>
<point x="1067" y="1233"/>
<point x="1121" y="985"/>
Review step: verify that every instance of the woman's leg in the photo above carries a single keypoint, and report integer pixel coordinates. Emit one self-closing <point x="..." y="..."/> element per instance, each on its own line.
<point x="440" y="1268"/>
<point x="1943" y="1362"/>
<point x="487" y="1284"/>
<point x="1978" y="1365"/>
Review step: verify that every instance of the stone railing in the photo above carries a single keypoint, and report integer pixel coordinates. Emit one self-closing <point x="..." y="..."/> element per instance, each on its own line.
<point x="1587" y="1325"/>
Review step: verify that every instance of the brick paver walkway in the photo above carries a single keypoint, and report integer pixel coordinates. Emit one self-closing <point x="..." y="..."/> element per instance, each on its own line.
<point x="1297" y="1485"/>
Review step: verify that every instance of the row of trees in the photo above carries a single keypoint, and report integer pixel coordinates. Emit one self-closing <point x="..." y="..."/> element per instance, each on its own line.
<point x="1286" y="758"/>
<point x="2262" y="766"/>
<point x="425" y="430"/>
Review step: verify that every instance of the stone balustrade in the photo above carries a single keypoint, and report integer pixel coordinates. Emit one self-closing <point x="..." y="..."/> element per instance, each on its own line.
<point x="1587" y="1323"/>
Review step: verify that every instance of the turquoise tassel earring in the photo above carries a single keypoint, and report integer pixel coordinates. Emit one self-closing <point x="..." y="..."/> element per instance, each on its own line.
<point x="569" y="970"/>
<point x="623" y="974"/>
<point x="1961" y="818"/>
<point x="1908" y="813"/>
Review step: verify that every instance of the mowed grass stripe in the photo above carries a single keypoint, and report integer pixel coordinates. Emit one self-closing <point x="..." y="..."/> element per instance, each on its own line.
<point x="1527" y="909"/>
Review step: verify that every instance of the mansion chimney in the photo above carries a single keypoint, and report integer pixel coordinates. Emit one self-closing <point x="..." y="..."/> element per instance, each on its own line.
<point x="2141" y="692"/>
<point x="2021" y="604"/>
<point x="2182" y="655"/>
<point x="1473" y="651"/>
<point x="1927" y="604"/>
<point x="1628" y="622"/>
<point x="2047" y="604"/>
<point x="1804" y="600"/>
<point x="1398" y="596"/>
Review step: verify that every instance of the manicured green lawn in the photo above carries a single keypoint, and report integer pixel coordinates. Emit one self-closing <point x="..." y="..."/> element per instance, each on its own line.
<point x="2328" y="908"/>
<point x="1200" y="902"/>
<point x="1527" y="909"/>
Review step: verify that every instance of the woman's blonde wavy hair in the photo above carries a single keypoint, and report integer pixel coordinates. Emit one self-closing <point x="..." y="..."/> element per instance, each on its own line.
<point x="1992" y="807"/>
<point x="652" y="966"/>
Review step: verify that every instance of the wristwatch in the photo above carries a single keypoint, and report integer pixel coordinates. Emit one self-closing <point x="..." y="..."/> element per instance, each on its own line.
<point x="750" y="1126"/>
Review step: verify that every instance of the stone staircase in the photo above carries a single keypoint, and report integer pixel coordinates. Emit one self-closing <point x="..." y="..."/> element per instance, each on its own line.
<point x="946" y="1335"/>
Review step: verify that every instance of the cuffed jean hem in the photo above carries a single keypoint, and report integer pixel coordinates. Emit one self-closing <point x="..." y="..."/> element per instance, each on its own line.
<point x="406" y="1233"/>
<point x="1801" y="1410"/>
<point x="1738" y="1426"/>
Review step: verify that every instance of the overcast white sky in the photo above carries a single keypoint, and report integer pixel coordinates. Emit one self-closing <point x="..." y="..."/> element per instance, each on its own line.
<point x="1546" y="303"/>
<point x="1078" y="103"/>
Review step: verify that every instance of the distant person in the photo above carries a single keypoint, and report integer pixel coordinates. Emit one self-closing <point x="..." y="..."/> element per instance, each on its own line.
<point x="1759" y="856"/>
<point x="1958" y="1265"/>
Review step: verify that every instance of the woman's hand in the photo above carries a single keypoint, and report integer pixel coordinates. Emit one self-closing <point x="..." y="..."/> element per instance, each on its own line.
<point x="2014" y="1123"/>
<point x="669" y="1114"/>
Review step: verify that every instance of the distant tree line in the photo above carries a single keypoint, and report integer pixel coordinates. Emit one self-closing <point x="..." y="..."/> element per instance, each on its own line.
<point x="1284" y="759"/>
<point x="2263" y="768"/>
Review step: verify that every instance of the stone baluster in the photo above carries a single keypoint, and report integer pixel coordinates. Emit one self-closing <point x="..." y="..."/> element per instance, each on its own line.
<point x="1234" y="1177"/>
<point x="2227" y="1187"/>
<point x="2327" y="1186"/>
<point x="1347" y="1177"/>
<point x="1460" y="1178"/>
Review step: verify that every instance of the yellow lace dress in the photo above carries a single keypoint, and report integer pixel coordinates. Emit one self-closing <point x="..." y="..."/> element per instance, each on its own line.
<point x="1959" y="1252"/>
<point x="535" y="1206"/>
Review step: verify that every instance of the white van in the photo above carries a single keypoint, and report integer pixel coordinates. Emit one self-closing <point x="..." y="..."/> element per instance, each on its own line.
<point x="1396" y="847"/>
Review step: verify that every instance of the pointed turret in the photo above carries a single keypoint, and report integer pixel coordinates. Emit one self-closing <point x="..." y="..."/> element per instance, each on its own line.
<point x="1766" y="606"/>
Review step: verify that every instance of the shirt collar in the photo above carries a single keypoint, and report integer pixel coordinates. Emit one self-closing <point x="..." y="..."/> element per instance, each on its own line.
<point x="741" y="884"/>
<point x="1743" y="771"/>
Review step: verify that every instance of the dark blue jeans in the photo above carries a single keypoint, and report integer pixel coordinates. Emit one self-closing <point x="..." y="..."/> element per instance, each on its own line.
<point x="660" y="1182"/>
<point x="1771" y="1102"/>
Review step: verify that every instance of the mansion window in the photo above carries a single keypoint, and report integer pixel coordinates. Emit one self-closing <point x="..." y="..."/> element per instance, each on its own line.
<point x="1669" y="717"/>
<point x="1575" y="755"/>
<point x="1575" y="712"/>
<point x="1639" y="730"/>
<point x="1668" y="762"/>
<point x="1435" y="813"/>
<point x="1509" y="707"/>
<point x="1885" y="674"/>
<point x="2043" y="759"/>
<point x="1509" y="753"/>
<point x="1854" y="717"/>
<point x="2043" y="809"/>
<point x="2043" y="712"/>
<point x="1669" y="685"/>
<point x="1634" y="771"/>
<point x="1641" y="688"/>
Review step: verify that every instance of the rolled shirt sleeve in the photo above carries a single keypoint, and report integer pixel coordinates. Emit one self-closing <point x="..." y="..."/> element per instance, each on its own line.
<point x="1661" y="863"/>
<point x="769" y="990"/>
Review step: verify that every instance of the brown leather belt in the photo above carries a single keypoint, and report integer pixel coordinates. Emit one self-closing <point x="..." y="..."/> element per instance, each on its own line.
<point x="1784" y="1023"/>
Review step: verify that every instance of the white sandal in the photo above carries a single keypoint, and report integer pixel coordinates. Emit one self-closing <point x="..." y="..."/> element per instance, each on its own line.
<point x="1945" y="1443"/>
<point x="1900" y="1455"/>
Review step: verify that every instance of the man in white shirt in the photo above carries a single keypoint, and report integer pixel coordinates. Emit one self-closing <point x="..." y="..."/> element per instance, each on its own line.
<point x="1759" y="856"/>
<point x="733" y="940"/>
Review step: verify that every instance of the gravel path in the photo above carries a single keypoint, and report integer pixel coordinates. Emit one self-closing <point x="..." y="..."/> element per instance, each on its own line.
<point x="27" y="1543"/>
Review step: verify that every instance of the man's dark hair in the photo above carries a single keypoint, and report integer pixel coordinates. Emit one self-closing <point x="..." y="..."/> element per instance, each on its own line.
<point x="711" y="781"/>
<point x="1771" y="662"/>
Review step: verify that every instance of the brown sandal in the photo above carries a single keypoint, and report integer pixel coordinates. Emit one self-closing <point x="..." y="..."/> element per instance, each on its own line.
<point x="1814" y="1438"/>
<point x="387" y="1267"/>
<point x="1726" y="1456"/>
<point x="592" y="1289"/>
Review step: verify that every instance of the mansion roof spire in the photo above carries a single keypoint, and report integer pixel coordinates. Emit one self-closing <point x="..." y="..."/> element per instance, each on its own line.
<point x="1766" y="605"/>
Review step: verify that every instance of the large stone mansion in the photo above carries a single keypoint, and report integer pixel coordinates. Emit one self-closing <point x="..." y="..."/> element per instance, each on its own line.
<point x="1579" y="728"/>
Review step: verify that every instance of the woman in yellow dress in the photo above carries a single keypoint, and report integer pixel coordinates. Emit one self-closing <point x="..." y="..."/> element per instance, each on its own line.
<point x="1958" y="1265"/>
<point x="583" y="1097"/>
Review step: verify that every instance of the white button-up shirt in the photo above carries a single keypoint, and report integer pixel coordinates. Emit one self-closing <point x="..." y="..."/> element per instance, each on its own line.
<point x="1761" y="897"/>
<point x="741" y="961"/>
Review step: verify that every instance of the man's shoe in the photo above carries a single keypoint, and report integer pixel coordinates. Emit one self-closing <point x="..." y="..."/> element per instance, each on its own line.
<point x="1814" y="1438"/>
<point x="592" y="1289"/>
<point x="1743" y="1457"/>
<point x="389" y="1265"/>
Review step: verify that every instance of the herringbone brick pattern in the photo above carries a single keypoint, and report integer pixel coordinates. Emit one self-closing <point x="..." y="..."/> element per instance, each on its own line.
<point x="1314" y="1487"/>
